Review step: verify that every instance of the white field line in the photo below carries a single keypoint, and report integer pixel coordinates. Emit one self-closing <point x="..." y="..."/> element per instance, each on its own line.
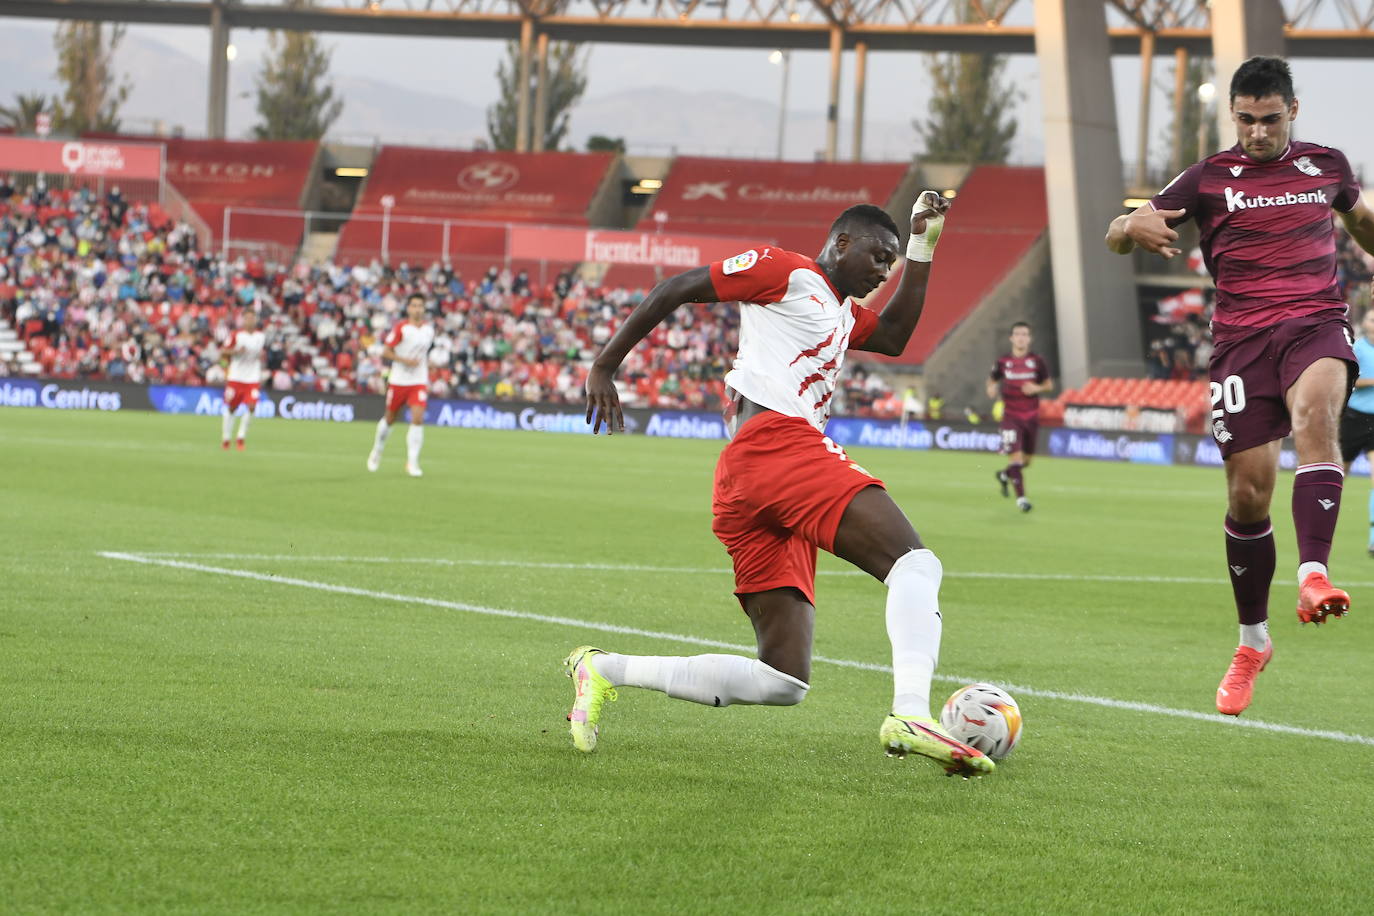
<point x="693" y="570"/>
<point x="718" y="644"/>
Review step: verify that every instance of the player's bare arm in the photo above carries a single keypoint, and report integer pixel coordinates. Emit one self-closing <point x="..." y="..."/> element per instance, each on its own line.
<point x="1359" y="222"/>
<point x="898" y="320"/>
<point x="992" y="389"/>
<point x="603" y="401"/>
<point x="1146" y="227"/>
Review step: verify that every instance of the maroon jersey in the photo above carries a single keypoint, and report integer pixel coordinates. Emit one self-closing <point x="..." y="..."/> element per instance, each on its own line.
<point x="1013" y="372"/>
<point x="1266" y="231"/>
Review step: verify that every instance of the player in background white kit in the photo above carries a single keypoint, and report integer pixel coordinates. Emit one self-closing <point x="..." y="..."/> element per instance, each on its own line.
<point x="407" y="346"/>
<point x="244" y="350"/>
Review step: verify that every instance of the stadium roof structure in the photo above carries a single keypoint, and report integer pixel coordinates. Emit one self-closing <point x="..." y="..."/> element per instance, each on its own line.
<point x="1322" y="28"/>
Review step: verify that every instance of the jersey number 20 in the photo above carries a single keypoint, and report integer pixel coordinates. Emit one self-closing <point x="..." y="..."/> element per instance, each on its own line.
<point x="1229" y="395"/>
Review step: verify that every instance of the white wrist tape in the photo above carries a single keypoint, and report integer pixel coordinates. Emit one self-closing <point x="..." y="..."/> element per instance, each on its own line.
<point x="922" y="247"/>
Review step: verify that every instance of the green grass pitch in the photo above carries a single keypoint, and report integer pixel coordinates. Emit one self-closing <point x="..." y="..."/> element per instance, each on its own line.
<point x="177" y="739"/>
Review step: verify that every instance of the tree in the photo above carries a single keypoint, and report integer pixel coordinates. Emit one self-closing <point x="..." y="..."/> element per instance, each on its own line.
<point x="567" y="75"/>
<point x="91" y="92"/>
<point x="1186" y="144"/>
<point x="23" y="114"/>
<point x="598" y="143"/>
<point x="970" y="107"/>
<point x="295" y="99"/>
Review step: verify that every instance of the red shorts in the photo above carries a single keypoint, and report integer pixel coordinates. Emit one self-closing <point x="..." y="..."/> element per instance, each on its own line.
<point x="1253" y="368"/>
<point x="398" y="396"/>
<point x="781" y="489"/>
<point x="238" y="393"/>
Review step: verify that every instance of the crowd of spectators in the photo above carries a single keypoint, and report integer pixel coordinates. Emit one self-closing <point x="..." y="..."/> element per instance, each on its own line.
<point x="104" y="288"/>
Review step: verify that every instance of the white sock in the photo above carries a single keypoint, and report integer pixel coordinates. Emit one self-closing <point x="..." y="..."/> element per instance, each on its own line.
<point x="913" y="627"/>
<point x="712" y="680"/>
<point x="1307" y="569"/>
<point x="1255" y="635"/>
<point x="226" y="424"/>
<point x="415" y="437"/>
<point x="383" y="430"/>
<point x="243" y="425"/>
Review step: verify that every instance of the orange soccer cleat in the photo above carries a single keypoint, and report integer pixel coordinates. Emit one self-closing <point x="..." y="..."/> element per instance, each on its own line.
<point x="1319" y="599"/>
<point x="1236" y="688"/>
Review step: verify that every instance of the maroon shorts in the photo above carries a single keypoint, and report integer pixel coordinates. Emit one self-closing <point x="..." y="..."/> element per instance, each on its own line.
<point x="1253" y="368"/>
<point x="781" y="489"/>
<point x="1019" y="434"/>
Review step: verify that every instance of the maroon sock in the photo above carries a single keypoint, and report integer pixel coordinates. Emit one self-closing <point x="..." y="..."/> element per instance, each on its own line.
<point x="1250" y="554"/>
<point x="1017" y="481"/>
<point x="1316" y="504"/>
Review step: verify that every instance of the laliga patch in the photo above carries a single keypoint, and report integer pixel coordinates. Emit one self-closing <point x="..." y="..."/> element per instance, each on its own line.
<point x="740" y="262"/>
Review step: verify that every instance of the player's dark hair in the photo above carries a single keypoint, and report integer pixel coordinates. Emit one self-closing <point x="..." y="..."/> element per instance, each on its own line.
<point x="863" y="216"/>
<point x="413" y="296"/>
<point x="1021" y="324"/>
<point x="1262" y="76"/>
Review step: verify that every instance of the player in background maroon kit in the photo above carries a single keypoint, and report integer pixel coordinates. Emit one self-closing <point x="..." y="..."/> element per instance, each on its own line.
<point x="1019" y="377"/>
<point x="1283" y="360"/>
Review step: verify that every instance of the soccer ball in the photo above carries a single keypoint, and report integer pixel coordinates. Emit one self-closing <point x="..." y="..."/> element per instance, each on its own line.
<point x="985" y="717"/>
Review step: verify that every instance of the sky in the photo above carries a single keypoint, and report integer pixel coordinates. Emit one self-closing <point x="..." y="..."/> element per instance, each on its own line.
<point x="897" y="85"/>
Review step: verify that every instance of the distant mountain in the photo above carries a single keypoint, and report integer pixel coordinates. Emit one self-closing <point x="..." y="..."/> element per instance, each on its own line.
<point x="170" y="92"/>
<point x="660" y="120"/>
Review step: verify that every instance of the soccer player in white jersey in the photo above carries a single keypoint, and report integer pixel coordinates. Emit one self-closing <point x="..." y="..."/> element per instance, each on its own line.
<point x="783" y="489"/>
<point x="407" y="346"/>
<point x="243" y="379"/>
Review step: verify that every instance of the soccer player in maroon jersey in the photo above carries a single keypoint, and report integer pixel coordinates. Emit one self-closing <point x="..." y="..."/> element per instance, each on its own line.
<point x="1019" y="377"/>
<point x="1283" y="360"/>
<point x="782" y="488"/>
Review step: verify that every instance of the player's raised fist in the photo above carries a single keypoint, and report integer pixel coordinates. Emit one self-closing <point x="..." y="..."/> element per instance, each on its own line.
<point x="927" y="221"/>
<point x="928" y="204"/>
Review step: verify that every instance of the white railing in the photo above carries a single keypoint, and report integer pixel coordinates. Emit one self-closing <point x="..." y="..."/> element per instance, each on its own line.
<point x="313" y="218"/>
<point x="179" y="208"/>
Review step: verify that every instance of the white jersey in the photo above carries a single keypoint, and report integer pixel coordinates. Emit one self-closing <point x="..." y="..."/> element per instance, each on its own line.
<point x="246" y="363"/>
<point x="410" y="342"/>
<point x="794" y="330"/>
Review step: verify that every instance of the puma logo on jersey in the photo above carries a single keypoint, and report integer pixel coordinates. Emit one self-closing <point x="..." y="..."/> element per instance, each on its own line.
<point x="1239" y="570"/>
<point x="1326" y="503"/>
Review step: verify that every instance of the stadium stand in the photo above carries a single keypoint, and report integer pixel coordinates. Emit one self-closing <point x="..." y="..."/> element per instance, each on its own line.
<point x="791" y="203"/>
<point x="98" y="288"/>
<point x="1000" y="213"/>
<point x="242" y="176"/>
<point x="452" y="206"/>
<point x="1187" y="398"/>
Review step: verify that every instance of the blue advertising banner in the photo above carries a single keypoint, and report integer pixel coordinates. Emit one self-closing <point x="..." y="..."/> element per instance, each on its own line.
<point x="848" y="432"/>
<point x="855" y="431"/>
<point x="20" y="392"/>
<point x="287" y="405"/>
<point x="1081" y="443"/>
